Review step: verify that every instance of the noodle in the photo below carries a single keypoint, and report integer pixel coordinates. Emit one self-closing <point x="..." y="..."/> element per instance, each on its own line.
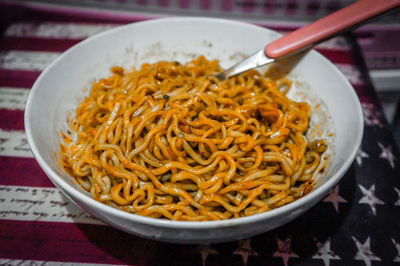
<point x="172" y="141"/>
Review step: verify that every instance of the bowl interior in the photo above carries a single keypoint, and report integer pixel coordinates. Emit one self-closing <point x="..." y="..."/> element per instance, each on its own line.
<point x="67" y="80"/>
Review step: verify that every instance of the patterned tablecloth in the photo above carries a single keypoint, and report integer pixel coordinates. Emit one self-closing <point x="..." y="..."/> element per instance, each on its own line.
<point x="356" y="224"/>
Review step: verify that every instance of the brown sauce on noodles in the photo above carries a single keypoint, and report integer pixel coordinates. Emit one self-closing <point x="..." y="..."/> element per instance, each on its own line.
<point x="171" y="141"/>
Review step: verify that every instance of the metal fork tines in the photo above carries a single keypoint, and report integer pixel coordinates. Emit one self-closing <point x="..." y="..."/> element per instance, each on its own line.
<point x="256" y="60"/>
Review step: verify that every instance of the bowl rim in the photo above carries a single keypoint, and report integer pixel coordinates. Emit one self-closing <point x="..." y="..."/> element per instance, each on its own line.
<point x="306" y="200"/>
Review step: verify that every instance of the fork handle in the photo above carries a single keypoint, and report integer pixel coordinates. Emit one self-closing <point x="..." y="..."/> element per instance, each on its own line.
<point x="326" y="27"/>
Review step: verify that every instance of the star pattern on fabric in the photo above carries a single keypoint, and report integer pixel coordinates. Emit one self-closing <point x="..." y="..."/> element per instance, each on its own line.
<point x="360" y="155"/>
<point x="387" y="154"/>
<point x="370" y="198"/>
<point x="366" y="247"/>
<point x="325" y="253"/>
<point x="335" y="198"/>
<point x="284" y="251"/>
<point x="397" y="246"/>
<point x="204" y="251"/>
<point x="245" y="250"/>
<point x="371" y="115"/>
<point x="364" y="252"/>
<point x="397" y="203"/>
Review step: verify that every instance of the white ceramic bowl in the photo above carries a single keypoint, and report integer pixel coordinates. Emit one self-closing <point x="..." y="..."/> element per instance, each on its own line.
<point x="62" y="84"/>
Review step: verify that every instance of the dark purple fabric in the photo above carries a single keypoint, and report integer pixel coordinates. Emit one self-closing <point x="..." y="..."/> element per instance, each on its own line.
<point x="356" y="224"/>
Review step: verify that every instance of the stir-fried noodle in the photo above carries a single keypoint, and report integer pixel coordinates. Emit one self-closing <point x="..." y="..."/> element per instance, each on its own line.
<point x="172" y="141"/>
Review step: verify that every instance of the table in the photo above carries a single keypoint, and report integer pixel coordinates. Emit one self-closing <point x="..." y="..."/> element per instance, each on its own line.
<point x="356" y="224"/>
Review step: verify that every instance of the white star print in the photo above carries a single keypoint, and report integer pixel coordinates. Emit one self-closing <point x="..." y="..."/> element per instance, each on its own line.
<point x="284" y="250"/>
<point x="364" y="252"/>
<point x="206" y="250"/>
<point x="360" y="155"/>
<point x="370" y="198"/>
<point x="397" y="203"/>
<point x="371" y="115"/>
<point x="335" y="198"/>
<point x="325" y="253"/>
<point x="387" y="154"/>
<point x="245" y="250"/>
<point x="397" y="246"/>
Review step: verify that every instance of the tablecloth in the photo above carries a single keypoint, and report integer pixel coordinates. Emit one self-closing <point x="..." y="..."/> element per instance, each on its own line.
<point x="356" y="224"/>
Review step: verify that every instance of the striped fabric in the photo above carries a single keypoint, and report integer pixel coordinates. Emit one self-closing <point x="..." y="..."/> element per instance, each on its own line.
<point x="356" y="224"/>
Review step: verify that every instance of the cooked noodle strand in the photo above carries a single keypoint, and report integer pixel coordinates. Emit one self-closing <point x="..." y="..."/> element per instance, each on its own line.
<point x="171" y="141"/>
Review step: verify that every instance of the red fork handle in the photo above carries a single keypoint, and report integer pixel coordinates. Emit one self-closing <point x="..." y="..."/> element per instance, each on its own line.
<point x="328" y="26"/>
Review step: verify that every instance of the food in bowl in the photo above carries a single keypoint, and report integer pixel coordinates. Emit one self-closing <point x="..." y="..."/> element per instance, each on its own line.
<point x="178" y="39"/>
<point x="171" y="141"/>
